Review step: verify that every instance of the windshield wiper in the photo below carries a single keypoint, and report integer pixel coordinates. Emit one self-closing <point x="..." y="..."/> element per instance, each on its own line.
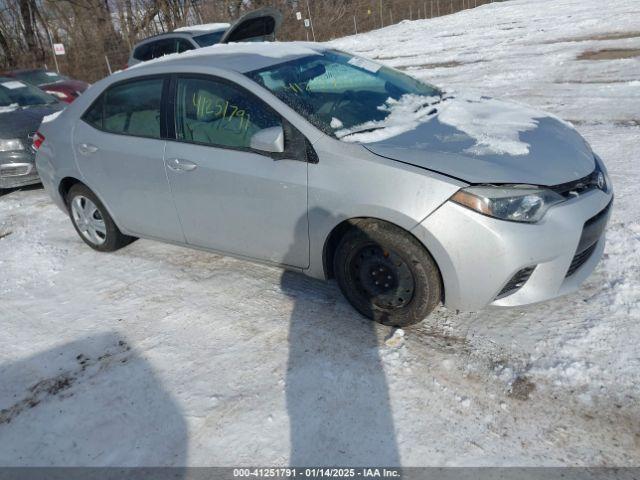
<point x="365" y="130"/>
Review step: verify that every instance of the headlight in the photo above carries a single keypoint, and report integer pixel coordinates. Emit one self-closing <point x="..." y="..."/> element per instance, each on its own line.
<point x="517" y="203"/>
<point x="11" y="144"/>
<point x="605" y="186"/>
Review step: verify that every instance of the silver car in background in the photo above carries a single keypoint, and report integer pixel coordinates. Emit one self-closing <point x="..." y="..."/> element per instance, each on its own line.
<point x="333" y="165"/>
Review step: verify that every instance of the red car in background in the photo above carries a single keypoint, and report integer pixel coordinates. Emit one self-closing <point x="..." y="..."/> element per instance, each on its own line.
<point x="61" y="87"/>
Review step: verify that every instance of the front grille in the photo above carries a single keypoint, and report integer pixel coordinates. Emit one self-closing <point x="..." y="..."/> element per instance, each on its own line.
<point x="578" y="187"/>
<point x="580" y="259"/>
<point x="516" y="282"/>
<point x="10" y="170"/>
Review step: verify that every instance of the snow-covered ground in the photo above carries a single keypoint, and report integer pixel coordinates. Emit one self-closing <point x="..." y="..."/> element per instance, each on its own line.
<point x="159" y="355"/>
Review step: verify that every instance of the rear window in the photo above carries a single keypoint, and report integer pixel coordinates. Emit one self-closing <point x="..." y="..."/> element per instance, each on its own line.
<point x="131" y="108"/>
<point x="209" y="39"/>
<point x="160" y="47"/>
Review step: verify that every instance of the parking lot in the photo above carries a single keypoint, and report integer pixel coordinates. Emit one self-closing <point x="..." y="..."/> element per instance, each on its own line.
<point x="159" y="355"/>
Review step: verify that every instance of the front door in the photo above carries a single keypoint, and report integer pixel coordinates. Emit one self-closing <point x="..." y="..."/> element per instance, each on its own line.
<point x="229" y="197"/>
<point x="119" y="151"/>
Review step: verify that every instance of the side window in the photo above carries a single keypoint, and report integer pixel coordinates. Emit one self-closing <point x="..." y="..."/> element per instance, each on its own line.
<point x="164" y="47"/>
<point x="93" y="116"/>
<point x="143" y="52"/>
<point x="132" y="108"/>
<point x="183" y="45"/>
<point x="218" y="113"/>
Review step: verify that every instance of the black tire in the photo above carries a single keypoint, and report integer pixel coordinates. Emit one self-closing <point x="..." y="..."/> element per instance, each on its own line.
<point x="375" y="251"/>
<point x="112" y="239"/>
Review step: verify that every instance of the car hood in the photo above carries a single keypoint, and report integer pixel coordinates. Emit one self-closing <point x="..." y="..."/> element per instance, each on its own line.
<point x="483" y="140"/>
<point x="22" y="122"/>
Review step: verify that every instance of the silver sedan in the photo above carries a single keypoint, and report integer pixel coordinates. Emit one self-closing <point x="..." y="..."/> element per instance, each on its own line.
<point x="302" y="156"/>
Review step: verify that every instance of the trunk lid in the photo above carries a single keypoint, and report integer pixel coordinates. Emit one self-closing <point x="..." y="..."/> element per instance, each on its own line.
<point x="256" y="26"/>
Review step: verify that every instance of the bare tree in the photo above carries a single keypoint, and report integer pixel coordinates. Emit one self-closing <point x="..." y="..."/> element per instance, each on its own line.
<point x="93" y="29"/>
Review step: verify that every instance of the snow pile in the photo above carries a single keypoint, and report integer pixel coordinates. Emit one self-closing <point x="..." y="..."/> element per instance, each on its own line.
<point x="281" y="368"/>
<point x="396" y="340"/>
<point x="494" y="125"/>
<point x="405" y="114"/>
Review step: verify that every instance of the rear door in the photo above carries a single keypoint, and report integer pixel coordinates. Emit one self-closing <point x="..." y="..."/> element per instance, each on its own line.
<point x="229" y="197"/>
<point x="119" y="148"/>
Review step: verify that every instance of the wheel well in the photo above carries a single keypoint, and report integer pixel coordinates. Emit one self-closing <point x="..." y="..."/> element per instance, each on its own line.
<point x="342" y="228"/>
<point x="65" y="185"/>
<point x="332" y="243"/>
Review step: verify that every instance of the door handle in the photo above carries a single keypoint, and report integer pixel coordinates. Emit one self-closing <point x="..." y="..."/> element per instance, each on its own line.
<point x="180" y="165"/>
<point x="87" y="148"/>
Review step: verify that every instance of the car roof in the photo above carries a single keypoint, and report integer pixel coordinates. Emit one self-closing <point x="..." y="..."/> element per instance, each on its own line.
<point x="27" y="70"/>
<point x="203" y="28"/>
<point x="183" y="32"/>
<point x="239" y="57"/>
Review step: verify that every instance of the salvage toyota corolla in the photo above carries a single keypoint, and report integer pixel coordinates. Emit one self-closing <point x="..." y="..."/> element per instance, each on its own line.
<point x="317" y="160"/>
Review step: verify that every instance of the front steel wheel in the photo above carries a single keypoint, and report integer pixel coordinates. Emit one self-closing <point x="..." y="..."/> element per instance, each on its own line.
<point x="386" y="274"/>
<point x="92" y="221"/>
<point x="381" y="276"/>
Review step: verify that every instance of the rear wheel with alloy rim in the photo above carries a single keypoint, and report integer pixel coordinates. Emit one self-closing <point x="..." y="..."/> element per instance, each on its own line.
<point x="92" y="221"/>
<point x="386" y="274"/>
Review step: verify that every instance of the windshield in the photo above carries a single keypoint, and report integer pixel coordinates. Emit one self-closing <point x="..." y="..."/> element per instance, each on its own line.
<point x="39" y="77"/>
<point x="342" y="94"/>
<point x="14" y="93"/>
<point x="209" y="39"/>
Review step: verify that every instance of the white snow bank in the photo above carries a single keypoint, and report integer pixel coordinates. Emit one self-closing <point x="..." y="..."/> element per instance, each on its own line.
<point x="51" y="117"/>
<point x="204" y="27"/>
<point x="263" y="352"/>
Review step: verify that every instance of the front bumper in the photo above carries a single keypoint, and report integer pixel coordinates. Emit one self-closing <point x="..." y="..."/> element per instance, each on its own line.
<point x="479" y="255"/>
<point x="17" y="169"/>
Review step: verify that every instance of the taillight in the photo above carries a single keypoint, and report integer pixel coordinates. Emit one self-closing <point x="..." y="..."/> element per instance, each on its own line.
<point x="38" y="140"/>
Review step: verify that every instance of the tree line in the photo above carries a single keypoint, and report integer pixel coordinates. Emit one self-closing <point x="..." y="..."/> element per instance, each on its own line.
<point x="98" y="34"/>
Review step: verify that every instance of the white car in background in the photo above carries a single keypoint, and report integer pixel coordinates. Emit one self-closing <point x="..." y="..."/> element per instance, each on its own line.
<point x="256" y="26"/>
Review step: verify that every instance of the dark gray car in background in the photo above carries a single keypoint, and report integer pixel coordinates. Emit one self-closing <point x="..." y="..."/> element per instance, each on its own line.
<point x="22" y="107"/>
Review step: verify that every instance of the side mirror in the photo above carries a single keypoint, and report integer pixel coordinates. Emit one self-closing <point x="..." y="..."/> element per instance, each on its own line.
<point x="268" y="140"/>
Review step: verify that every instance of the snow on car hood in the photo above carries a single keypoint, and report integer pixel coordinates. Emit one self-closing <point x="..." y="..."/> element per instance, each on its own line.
<point x="477" y="139"/>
